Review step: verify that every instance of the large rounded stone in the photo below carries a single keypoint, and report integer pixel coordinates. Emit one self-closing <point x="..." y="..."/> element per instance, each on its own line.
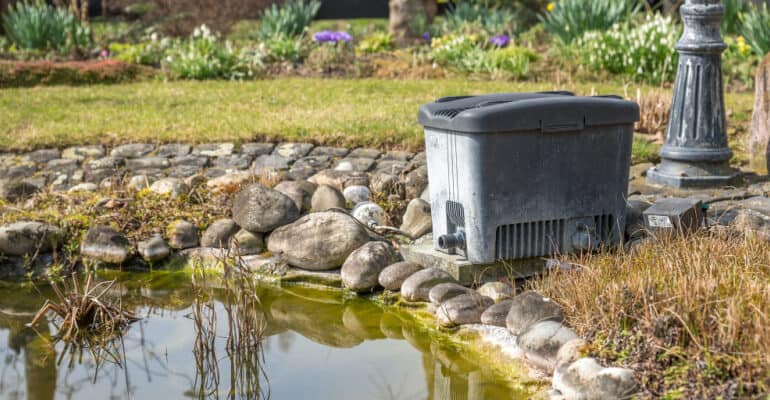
<point x="542" y="341"/>
<point x="445" y="291"/>
<point x="219" y="233"/>
<point x="172" y="187"/>
<point x="28" y="237"/>
<point x="260" y="209"/>
<point x="13" y="190"/>
<point x="576" y="380"/>
<point x="394" y="275"/>
<point x="496" y="291"/>
<point x="462" y="310"/>
<point x="245" y="243"/>
<point x="340" y="179"/>
<point x="153" y="249"/>
<point x="496" y="314"/>
<point x="417" y="218"/>
<point x="301" y="192"/>
<point x="529" y="308"/>
<point x="368" y="213"/>
<point x="362" y="267"/>
<point x="417" y="286"/>
<point x="105" y="244"/>
<point x="327" y="197"/>
<point x="357" y="194"/>
<point x="182" y="235"/>
<point x="318" y="241"/>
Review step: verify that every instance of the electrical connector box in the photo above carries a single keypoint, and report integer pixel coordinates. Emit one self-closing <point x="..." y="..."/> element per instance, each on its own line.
<point x="674" y="215"/>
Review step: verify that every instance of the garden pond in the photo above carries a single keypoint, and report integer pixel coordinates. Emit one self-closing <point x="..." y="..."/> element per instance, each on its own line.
<point x="315" y="344"/>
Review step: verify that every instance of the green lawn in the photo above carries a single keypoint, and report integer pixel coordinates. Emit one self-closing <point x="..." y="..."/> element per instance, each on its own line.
<point x="366" y="112"/>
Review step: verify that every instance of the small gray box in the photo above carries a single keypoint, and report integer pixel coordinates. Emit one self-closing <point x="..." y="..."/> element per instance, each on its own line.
<point x="674" y="215"/>
<point x="521" y="175"/>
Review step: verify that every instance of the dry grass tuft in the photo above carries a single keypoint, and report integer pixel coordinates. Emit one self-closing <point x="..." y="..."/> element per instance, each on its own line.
<point x="689" y="314"/>
<point x="654" y="107"/>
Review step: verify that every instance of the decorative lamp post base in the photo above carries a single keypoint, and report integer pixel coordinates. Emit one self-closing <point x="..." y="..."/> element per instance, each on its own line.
<point x="691" y="175"/>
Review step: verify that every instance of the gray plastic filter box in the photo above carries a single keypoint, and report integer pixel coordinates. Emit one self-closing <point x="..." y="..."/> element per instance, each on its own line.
<point x="521" y="175"/>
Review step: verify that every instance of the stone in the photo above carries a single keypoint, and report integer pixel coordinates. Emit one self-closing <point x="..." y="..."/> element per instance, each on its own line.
<point x="174" y="150"/>
<point x="357" y="194"/>
<point x="462" y="310"/>
<point x="28" y="238"/>
<point x="62" y="165"/>
<point x="214" y="149"/>
<point x="576" y="380"/>
<point x="529" y="308"/>
<point x="105" y="244"/>
<point x="418" y="285"/>
<point x="300" y="192"/>
<point x="415" y="182"/>
<point x="218" y="234"/>
<point x="426" y="194"/>
<point x="182" y="235"/>
<point x="173" y="187"/>
<point x="99" y="175"/>
<point x="81" y="153"/>
<point x="139" y="182"/>
<point x="326" y="197"/>
<point x="329" y="151"/>
<point x="233" y="161"/>
<point x="391" y="167"/>
<point x="257" y="149"/>
<point x="135" y="164"/>
<point x="258" y="209"/>
<point x="395" y="155"/>
<point x="495" y="315"/>
<point x="364" y="153"/>
<point x="14" y="190"/>
<point x="228" y="181"/>
<point x="394" y="275"/>
<point x="368" y="213"/>
<point x="293" y="151"/>
<point x="615" y="383"/>
<point x="759" y="132"/>
<point x="417" y="219"/>
<point x="542" y="341"/>
<point x="43" y="155"/>
<point x="190" y="160"/>
<point x="183" y="171"/>
<point x="445" y="291"/>
<point x="354" y="164"/>
<point x="752" y="223"/>
<point x="134" y="150"/>
<point x="362" y="268"/>
<point x="153" y="249"/>
<point x="84" y="187"/>
<point x="245" y="243"/>
<point x="19" y="171"/>
<point x="270" y="163"/>
<point x="318" y="241"/>
<point x="340" y="179"/>
<point x="570" y="352"/>
<point x="385" y="183"/>
<point x="497" y="291"/>
<point x="105" y="162"/>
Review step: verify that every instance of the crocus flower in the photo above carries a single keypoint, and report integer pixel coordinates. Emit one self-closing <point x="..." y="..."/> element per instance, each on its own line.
<point x="426" y="37"/>
<point x="332" y="37"/>
<point x="104" y="54"/>
<point x="500" y="40"/>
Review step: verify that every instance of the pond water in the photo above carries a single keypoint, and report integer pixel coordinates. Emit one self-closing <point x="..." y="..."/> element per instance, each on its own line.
<point x="316" y="345"/>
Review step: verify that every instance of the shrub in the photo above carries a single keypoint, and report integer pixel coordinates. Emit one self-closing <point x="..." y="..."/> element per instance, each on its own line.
<point x="282" y="49"/>
<point x="331" y="58"/>
<point x="376" y="43"/>
<point x="23" y="73"/>
<point x="204" y="56"/>
<point x="755" y="27"/>
<point x="150" y="51"/>
<point x="468" y="53"/>
<point x="644" y="51"/>
<point x="739" y="62"/>
<point x="290" y="19"/>
<point x="568" y="20"/>
<point x="41" y="27"/>
<point x="474" y="18"/>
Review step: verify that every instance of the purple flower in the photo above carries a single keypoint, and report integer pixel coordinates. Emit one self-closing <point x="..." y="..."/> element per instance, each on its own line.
<point x="332" y="37"/>
<point x="500" y="40"/>
<point x="104" y="54"/>
<point x="426" y="37"/>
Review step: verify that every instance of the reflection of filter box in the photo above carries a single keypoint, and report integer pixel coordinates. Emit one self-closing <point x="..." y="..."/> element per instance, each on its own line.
<point x="674" y="215"/>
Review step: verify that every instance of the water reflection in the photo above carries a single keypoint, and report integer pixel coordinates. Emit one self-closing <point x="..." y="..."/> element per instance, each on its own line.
<point x="317" y="345"/>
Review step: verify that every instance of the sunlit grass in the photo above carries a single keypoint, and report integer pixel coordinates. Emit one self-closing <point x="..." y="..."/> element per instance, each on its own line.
<point x="364" y="112"/>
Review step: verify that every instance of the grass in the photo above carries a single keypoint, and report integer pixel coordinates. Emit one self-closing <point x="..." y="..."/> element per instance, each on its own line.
<point x="345" y="112"/>
<point x="689" y="314"/>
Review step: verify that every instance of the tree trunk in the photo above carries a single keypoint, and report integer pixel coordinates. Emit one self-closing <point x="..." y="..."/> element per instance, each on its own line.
<point x="403" y="12"/>
<point x="759" y="137"/>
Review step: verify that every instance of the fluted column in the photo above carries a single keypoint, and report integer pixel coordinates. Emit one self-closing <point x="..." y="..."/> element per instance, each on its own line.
<point x="696" y="153"/>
